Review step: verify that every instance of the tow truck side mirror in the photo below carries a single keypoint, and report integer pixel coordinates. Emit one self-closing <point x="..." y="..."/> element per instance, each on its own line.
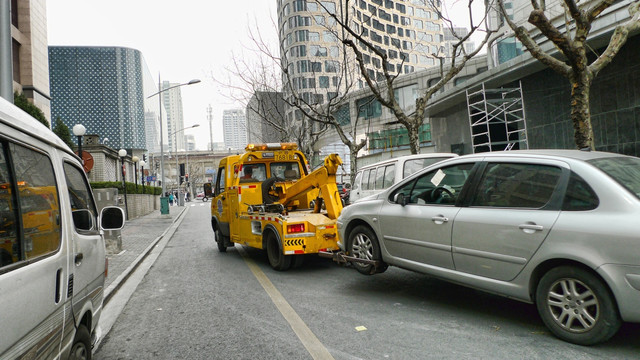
<point x="207" y="190"/>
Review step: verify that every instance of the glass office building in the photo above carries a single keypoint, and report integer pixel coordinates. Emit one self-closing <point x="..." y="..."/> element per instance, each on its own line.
<point x="105" y="89"/>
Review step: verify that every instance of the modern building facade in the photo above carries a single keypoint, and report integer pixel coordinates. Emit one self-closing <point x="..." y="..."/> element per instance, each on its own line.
<point x="172" y="101"/>
<point x="105" y="89"/>
<point x="234" y="123"/>
<point x="320" y="68"/>
<point x="29" y="51"/>
<point x="265" y="118"/>
<point x="545" y="97"/>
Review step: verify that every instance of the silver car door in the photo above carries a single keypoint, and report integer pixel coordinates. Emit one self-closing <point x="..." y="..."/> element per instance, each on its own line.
<point x="507" y="220"/>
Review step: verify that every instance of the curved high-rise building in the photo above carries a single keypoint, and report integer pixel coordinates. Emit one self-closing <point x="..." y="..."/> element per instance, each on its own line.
<point x="409" y="32"/>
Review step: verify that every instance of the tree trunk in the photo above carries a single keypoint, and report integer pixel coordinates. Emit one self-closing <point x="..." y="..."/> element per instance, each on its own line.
<point x="353" y="156"/>
<point x="580" y="112"/>
<point x="414" y="137"/>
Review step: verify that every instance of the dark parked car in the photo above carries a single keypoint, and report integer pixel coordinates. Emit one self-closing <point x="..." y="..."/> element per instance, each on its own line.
<point x="558" y="228"/>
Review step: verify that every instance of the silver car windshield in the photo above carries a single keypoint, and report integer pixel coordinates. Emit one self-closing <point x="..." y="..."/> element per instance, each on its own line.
<point x="624" y="170"/>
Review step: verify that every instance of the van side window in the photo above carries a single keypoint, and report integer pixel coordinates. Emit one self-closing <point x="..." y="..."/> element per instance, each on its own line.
<point x="82" y="206"/>
<point x="415" y="165"/>
<point x="356" y="182"/>
<point x="39" y="203"/>
<point x="389" y="175"/>
<point x="8" y="224"/>
<point x="365" y="180"/>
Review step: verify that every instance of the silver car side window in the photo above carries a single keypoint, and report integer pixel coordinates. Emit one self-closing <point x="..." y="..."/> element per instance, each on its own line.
<point x="516" y="185"/>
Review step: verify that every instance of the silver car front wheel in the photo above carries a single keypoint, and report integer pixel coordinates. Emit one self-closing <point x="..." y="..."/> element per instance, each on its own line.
<point x="363" y="244"/>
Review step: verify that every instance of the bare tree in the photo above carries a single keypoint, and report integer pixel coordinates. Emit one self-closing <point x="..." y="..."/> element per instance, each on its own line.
<point x="383" y="88"/>
<point x="574" y="48"/>
<point x="316" y="110"/>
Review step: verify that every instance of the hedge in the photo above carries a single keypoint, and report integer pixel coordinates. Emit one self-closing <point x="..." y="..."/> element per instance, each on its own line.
<point x="131" y="187"/>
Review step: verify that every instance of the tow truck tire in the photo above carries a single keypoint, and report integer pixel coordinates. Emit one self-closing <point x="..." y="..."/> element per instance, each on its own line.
<point x="220" y="240"/>
<point x="277" y="259"/>
<point x="267" y="198"/>
<point x="363" y="244"/>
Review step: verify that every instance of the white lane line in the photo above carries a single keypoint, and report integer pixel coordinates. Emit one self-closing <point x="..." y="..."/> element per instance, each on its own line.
<point x="308" y="338"/>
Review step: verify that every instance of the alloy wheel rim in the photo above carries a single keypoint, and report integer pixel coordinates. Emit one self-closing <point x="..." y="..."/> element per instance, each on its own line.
<point x="573" y="305"/>
<point x="362" y="247"/>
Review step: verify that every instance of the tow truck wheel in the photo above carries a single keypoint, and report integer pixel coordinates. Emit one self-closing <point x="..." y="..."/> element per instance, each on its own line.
<point x="277" y="259"/>
<point x="220" y="241"/>
<point x="363" y="244"/>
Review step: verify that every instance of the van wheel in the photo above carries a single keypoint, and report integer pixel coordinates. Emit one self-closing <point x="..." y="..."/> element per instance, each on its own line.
<point x="577" y="306"/>
<point x="363" y="244"/>
<point x="220" y="240"/>
<point x="277" y="259"/>
<point x="81" y="348"/>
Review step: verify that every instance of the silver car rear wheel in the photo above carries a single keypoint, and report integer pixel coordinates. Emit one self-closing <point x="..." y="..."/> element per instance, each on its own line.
<point x="577" y="306"/>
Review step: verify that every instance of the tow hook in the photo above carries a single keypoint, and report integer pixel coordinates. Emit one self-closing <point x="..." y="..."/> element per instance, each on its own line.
<point x="341" y="258"/>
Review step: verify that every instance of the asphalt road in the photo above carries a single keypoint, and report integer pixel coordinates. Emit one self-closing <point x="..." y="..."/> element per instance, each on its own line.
<point x="197" y="303"/>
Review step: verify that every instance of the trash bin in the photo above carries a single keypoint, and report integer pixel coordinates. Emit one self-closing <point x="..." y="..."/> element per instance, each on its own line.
<point x="164" y="205"/>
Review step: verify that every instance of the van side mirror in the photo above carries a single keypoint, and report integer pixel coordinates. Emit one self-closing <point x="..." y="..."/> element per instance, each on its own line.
<point x="112" y="218"/>
<point x="207" y="190"/>
<point x="83" y="219"/>
<point x="400" y="199"/>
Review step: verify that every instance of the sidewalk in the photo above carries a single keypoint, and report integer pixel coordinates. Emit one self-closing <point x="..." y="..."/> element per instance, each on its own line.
<point x="139" y="236"/>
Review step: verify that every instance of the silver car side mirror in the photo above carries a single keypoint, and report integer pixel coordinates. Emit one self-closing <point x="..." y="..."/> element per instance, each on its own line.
<point x="400" y="199"/>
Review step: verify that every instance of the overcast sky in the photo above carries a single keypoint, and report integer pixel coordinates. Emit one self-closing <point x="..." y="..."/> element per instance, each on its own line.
<point x="180" y="40"/>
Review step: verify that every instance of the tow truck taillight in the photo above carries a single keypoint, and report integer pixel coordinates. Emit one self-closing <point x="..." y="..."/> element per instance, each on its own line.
<point x="295" y="228"/>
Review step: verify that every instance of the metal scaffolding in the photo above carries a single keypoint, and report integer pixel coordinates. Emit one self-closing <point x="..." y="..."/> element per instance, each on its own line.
<point x="497" y="120"/>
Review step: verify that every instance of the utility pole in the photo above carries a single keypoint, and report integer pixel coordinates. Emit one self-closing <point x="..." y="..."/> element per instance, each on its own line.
<point x="6" y="56"/>
<point x="210" y="118"/>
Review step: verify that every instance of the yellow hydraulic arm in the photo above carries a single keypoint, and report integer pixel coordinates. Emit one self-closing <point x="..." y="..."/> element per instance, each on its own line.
<point x="324" y="179"/>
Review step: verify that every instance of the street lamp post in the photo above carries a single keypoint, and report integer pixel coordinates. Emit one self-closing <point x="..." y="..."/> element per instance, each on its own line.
<point x="122" y="153"/>
<point x="180" y="198"/>
<point x="135" y="160"/>
<point x="79" y="130"/>
<point x="142" y="164"/>
<point x="194" y="81"/>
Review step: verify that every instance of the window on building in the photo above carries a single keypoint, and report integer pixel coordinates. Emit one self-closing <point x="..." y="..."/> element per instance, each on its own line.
<point x="328" y="6"/>
<point x="331" y="66"/>
<point x="323" y="82"/>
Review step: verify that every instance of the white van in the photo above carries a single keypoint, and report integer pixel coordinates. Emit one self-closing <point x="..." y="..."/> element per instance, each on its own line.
<point x="372" y="179"/>
<point x="52" y="251"/>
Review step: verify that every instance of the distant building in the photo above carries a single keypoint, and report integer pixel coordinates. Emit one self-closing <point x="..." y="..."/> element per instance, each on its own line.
<point x="29" y="51"/>
<point x="190" y="142"/>
<point x="104" y="89"/>
<point x="172" y="101"/>
<point x="453" y="36"/>
<point x="265" y="112"/>
<point x="234" y="123"/>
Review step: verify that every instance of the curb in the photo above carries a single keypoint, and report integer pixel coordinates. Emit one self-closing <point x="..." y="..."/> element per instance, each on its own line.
<point x="117" y="283"/>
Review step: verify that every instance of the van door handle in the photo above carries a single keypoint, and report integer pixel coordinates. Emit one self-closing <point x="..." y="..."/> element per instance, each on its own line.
<point x="79" y="257"/>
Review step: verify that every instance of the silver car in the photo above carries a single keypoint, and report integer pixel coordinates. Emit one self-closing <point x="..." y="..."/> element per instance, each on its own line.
<point x="558" y="228"/>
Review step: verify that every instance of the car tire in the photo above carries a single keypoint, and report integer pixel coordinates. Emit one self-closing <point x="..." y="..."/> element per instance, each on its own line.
<point x="81" y="348"/>
<point x="577" y="306"/>
<point x="277" y="259"/>
<point x="363" y="244"/>
<point x="220" y="240"/>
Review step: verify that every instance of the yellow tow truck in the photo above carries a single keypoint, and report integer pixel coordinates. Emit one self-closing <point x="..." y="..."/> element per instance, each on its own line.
<point x="268" y="199"/>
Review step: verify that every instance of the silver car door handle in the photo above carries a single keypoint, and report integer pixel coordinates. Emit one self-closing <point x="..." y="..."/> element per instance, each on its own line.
<point x="531" y="227"/>
<point x="440" y="219"/>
